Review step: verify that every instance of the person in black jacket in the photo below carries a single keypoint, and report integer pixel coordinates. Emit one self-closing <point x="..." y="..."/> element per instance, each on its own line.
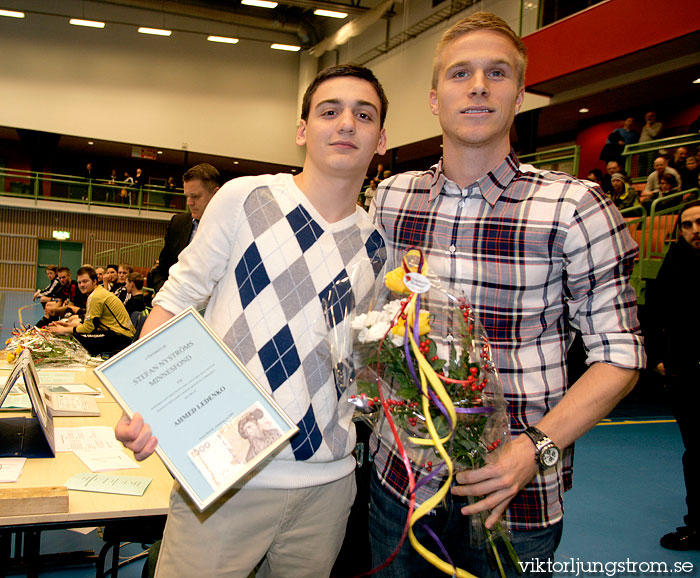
<point x="675" y="310"/>
<point x="200" y="184"/>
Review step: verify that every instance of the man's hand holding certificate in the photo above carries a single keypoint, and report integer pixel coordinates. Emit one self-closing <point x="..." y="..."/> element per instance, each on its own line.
<point x="214" y="422"/>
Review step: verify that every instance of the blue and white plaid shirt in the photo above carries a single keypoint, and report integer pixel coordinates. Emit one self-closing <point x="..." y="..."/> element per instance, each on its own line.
<point x="538" y="254"/>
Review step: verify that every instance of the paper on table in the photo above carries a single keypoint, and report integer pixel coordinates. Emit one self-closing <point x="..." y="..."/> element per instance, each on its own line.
<point x="48" y="377"/>
<point x="80" y="388"/>
<point x="85" y="438"/>
<point x="11" y="468"/>
<point x="108" y="484"/>
<point x="106" y="459"/>
<point x="16" y="401"/>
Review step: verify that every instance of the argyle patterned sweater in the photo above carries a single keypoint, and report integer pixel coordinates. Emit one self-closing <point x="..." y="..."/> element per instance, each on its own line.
<point x="281" y="282"/>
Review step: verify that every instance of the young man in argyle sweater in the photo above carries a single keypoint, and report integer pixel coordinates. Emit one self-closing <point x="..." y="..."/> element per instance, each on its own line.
<point x="538" y="254"/>
<point x="273" y="255"/>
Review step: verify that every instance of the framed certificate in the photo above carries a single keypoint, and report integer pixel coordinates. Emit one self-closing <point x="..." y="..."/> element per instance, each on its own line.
<point x="31" y="437"/>
<point x="214" y="422"/>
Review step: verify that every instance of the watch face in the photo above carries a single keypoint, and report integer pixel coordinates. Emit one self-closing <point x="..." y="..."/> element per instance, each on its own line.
<point x="549" y="456"/>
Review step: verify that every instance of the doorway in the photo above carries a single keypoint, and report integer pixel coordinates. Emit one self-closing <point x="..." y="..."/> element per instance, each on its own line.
<point x="61" y="253"/>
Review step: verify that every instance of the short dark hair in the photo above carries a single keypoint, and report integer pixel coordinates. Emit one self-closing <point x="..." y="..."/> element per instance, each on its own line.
<point x="340" y="71"/>
<point x="89" y="271"/>
<point x="53" y="268"/>
<point x="670" y="179"/>
<point x="66" y="269"/>
<point x="136" y="278"/>
<point x="210" y="177"/>
<point x="115" y="267"/>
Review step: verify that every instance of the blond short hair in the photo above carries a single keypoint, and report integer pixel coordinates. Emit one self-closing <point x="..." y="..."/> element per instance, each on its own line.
<point x="480" y="21"/>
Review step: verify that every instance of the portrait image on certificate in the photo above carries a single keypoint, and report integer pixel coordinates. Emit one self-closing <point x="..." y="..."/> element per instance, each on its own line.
<point x="214" y="422"/>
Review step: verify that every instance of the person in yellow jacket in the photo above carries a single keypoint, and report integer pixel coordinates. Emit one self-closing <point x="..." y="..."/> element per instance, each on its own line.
<point x="106" y="327"/>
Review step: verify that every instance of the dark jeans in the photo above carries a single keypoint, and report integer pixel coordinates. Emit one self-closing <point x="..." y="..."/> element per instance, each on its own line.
<point x="684" y="391"/>
<point x="103" y="341"/>
<point x="388" y="516"/>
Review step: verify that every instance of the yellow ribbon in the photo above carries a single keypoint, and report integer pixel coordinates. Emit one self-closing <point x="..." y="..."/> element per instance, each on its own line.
<point x="428" y="376"/>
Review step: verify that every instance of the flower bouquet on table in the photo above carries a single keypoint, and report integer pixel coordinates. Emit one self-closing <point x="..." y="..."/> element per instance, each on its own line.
<point x="45" y="347"/>
<point x="428" y="387"/>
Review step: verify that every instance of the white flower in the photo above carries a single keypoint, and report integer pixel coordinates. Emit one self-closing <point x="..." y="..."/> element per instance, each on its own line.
<point x="359" y="322"/>
<point x="377" y="331"/>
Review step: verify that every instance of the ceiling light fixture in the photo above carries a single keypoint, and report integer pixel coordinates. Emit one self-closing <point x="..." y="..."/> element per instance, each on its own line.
<point x="696" y="81"/>
<point x="583" y="110"/>
<point x="260" y="3"/>
<point x="86" y="23"/>
<point x="330" y="13"/>
<point x="287" y="47"/>
<point x="11" y="13"/>
<point x="222" y="39"/>
<point x="90" y="143"/>
<point x="155" y="31"/>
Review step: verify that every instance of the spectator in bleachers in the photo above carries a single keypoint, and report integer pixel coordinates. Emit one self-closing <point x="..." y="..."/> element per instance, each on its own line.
<point x="110" y="277"/>
<point x="690" y="172"/>
<point x="653" y="186"/>
<point x="595" y="176"/>
<point x="618" y="139"/>
<point x="100" y="274"/>
<point x="119" y="288"/>
<point x="47" y="293"/>
<point x="679" y="158"/>
<point x="611" y="168"/>
<point x="624" y="195"/>
<point x="668" y="185"/>
<point x="107" y="326"/>
<point x="651" y="128"/>
<point x="674" y="307"/>
<point x="139" y="179"/>
<point x="200" y="183"/>
<point x="134" y="293"/>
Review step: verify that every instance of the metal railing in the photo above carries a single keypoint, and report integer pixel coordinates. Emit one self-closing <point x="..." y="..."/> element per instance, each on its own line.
<point x="565" y="159"/>
<point x="639" y="157"/>
<point x="654" y="232"/>
<point x="138" y="255"/>
<point x="72" y="189"/>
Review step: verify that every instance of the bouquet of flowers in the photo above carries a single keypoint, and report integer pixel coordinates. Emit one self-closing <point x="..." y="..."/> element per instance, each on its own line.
<point x="45" y="347"/>
<point x="427" y="386"/>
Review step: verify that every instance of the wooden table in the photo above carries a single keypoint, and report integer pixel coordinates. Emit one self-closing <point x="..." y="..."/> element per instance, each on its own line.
<point x="85" y="508"/>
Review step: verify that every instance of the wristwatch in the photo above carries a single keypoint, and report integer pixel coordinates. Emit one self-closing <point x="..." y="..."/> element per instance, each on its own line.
<point x="546" y="452"/>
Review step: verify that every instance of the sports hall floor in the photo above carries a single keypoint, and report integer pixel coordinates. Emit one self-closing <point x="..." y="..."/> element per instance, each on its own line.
<point x="628" y="489"/>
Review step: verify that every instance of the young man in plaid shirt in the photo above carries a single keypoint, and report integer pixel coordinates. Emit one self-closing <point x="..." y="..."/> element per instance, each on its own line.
<point x="279" y="257"/>
<point x="538" y="254"/>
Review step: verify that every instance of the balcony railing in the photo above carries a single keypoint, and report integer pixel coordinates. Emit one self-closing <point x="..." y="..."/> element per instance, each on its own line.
<point x="72" y="189"/>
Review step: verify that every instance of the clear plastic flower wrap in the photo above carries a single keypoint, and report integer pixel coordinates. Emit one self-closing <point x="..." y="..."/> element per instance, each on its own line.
<point x="428" y="387"/>
<point x="45" y="347"/>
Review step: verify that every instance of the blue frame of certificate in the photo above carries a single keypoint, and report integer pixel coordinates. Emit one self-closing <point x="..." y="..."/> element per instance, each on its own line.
<point x="197" y="397"/>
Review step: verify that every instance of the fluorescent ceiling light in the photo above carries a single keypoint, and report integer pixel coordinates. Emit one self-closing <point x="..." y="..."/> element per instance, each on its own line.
<point x="155" y="31"/>
<point x="260" y="3"/>
<point x="330" y="13"/>
<point x="287" y="47"/>
<point x="583" y="110"/>
<point x="223" y="39"/>
<point x="696" y="81"/>
<point x="11" y="13"/>
<point x="88" y="23"/>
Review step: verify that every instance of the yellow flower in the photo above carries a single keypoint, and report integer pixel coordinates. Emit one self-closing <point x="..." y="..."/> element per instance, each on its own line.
<point x="19" y="350"/>
<point x="423" y="325"/>
<point x="10" y="357"/>
<point x="394" y="281"/>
